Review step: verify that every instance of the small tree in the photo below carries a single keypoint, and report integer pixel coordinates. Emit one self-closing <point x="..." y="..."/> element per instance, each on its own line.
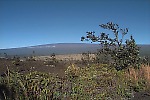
<point x="16" y="60"/>
<point x="86" y="57"/>
<point x="53" y="58"/>
<point x="5" y="54"/>
<point x="122" y="54"/>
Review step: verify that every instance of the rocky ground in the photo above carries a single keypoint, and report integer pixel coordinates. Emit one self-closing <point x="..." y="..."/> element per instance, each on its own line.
<point x="144" y="95"/>
<point x="26" y="66"/>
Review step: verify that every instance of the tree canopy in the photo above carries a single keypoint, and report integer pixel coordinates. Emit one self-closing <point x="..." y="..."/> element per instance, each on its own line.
<point x="123" y="54"/>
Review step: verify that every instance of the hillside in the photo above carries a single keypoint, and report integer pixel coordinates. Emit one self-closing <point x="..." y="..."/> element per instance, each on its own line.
<point x="61" y="48"/>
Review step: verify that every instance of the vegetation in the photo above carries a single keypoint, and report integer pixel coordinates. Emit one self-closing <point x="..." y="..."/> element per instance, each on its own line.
<point x="122" y="55"/>
<point x="16" y="60"/>
<point x="103" y="80"/>
<point x="52" y="61"/>
<point x="87" y="59"/>
<point x="92" y="82"/>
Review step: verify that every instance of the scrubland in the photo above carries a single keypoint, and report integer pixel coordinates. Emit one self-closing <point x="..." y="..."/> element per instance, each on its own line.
<point x="115" y="72"/>
<point x="70" y="78"/>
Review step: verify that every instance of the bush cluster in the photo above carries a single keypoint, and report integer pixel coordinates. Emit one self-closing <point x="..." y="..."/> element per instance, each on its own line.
<point x="92" y="82"/>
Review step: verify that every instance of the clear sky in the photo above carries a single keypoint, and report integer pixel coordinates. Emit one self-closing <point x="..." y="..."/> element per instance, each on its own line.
<point x="34" y="22"/>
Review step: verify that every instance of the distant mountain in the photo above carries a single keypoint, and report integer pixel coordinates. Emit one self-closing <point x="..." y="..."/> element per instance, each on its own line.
<point x="61" y="48"/>
<point x="48" y="49"/>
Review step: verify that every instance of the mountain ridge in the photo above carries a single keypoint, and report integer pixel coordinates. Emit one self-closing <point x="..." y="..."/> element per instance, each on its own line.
<point x="42" y="45"/>
<point x="61" y="48"/>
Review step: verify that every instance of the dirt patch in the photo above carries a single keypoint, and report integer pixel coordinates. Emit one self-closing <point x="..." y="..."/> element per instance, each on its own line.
<point x="27" y="66"/>
<point x="145" y="95"/>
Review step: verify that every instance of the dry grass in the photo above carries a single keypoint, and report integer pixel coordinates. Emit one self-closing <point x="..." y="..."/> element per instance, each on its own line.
<point x="143" y="72"/>
<point x="66" y="57"/>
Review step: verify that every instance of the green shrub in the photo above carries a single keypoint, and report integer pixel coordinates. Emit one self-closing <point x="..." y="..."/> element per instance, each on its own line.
<point x="32" y="86"/>
<point x="14" y="86"/>
<point x="16" y="61"/>
<point x="122" y="54"/>
<point x="100" y="82"/>
<point x="93" y="82"/>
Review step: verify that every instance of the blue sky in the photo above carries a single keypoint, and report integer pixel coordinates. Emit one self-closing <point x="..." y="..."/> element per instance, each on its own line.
<point x="34" y="22"/>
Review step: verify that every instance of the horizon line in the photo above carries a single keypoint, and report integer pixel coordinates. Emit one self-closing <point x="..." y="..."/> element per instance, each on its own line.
<point x="53" y="43"/>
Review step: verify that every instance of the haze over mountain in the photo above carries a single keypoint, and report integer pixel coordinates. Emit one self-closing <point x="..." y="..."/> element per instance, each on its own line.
<point x="61" y="48"/>
<point x="48" y="49"/>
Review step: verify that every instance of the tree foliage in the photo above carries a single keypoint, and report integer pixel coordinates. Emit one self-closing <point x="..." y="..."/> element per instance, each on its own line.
<point x="122" y="54"/>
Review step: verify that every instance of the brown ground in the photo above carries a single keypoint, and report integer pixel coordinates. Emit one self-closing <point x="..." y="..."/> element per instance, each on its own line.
<point x="145" y="95"/>
<point x="26" y="66"/>
<point x="41" y="64"/>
